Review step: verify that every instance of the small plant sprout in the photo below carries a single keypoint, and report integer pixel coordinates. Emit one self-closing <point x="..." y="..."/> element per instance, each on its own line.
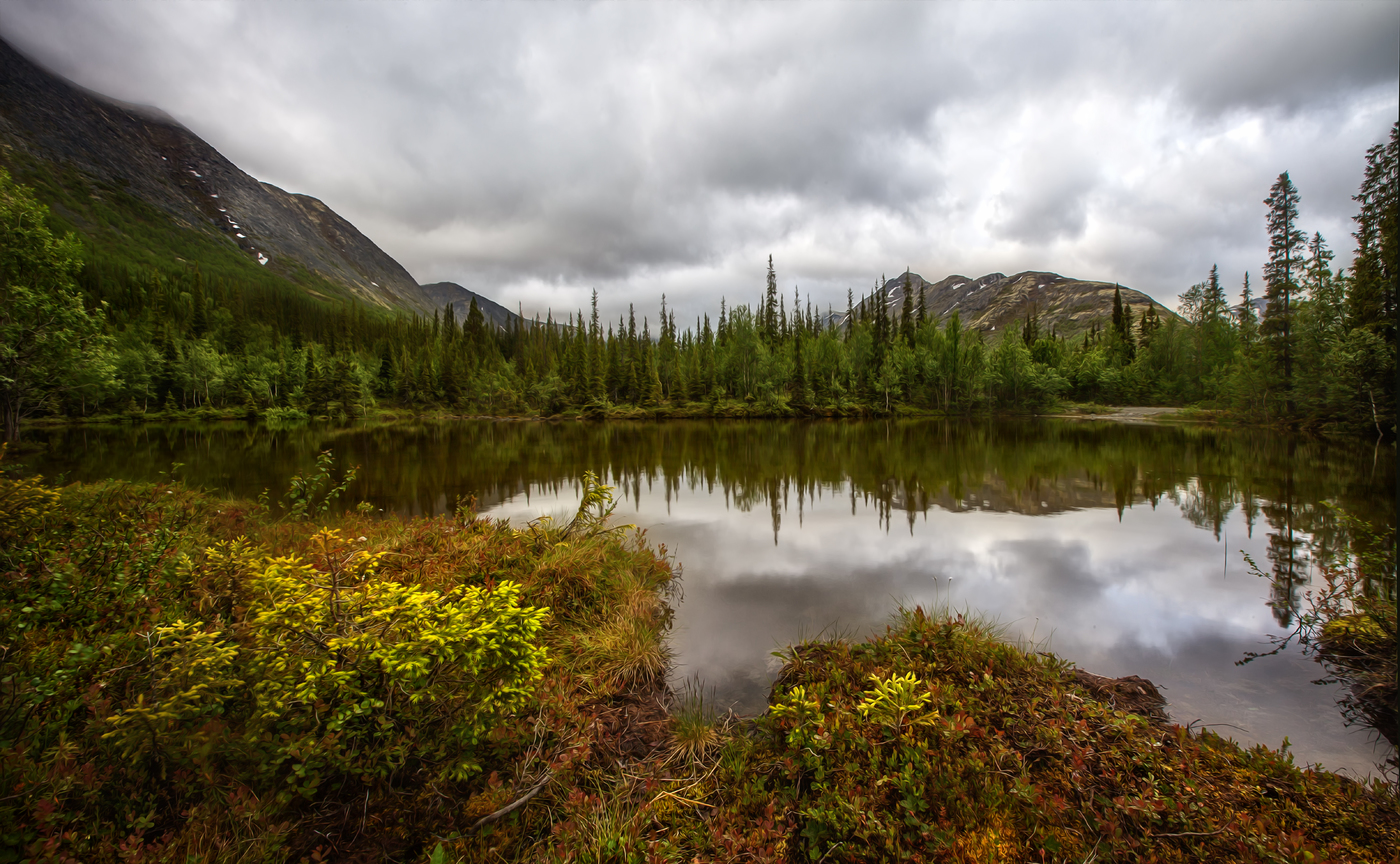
<point x="594" y="510"/>
<point x="797" y="706"/>
<point x="313" y="495"/>
<point x="893" y="700"/>
<point x="591" y="520"/>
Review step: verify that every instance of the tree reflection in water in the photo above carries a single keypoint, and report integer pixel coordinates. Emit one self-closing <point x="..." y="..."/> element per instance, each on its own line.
<point x="891" y="471"/>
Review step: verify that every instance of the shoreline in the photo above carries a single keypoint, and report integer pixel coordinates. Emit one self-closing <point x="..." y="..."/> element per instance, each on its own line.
<point x="695" y="411"/>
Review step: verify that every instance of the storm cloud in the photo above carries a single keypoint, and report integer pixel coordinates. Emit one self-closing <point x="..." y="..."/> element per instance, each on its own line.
<point x="533" y="152"/>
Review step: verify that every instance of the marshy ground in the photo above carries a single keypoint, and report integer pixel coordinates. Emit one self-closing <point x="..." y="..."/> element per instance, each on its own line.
<point x="140" y="647"/>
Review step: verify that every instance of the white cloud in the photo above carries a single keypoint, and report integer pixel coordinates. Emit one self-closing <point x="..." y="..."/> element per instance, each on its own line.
<point x="536" y="151"/>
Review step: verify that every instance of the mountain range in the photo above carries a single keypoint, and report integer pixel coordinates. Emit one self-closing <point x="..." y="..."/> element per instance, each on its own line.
<point x="996" y="301"/>
<point x="141" y="186"/>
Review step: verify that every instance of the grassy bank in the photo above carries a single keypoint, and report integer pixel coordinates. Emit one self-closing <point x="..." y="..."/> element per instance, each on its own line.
<point x="187" y="678"/>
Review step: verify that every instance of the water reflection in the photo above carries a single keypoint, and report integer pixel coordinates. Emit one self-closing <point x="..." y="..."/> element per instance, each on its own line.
<point x="1120" y="547"/>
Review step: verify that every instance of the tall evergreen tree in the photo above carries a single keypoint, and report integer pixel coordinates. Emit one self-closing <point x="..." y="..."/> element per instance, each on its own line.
<point x="1214" y="305"/>
<point x="475" y="328"/>
<point x="1371" y="295"/>
<point x="1248" y="323"/>
<point x="769" y="322"/>
<point x="906" y="312"/>
<point x="1285" y="247"/>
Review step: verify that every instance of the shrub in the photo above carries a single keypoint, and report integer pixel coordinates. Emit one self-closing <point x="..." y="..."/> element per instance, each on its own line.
<point x="347" y="673"/>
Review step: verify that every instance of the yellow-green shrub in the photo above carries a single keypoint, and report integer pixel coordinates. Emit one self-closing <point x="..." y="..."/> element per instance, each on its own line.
<point x="337" y="671"/>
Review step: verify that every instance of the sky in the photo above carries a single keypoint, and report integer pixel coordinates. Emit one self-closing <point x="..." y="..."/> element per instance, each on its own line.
<point x="534" y="152"/>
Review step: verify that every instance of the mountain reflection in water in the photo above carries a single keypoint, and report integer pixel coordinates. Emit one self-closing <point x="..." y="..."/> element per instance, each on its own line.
<point x="1118" y="547"/>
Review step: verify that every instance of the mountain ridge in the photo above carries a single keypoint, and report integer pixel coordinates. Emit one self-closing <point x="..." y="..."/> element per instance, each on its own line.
<point x="1062" y="304"/>
<point x="87" y="139"/>
<point x="460" y="299"/>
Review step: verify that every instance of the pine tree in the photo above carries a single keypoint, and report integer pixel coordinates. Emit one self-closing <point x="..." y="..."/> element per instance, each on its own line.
<point x="475" y="328"/>
<point x="1371" y="293"/>
<point x="1248" y="324"/>
<point x="651" y="398"/>
<point x="386" y="371"/>
<point x="769" y="321"/>
<point x="801" y="391"/>
<point x="447" y="380"/>
<point x="1129" y="345"/>
<point x="906" y="312"/>
<point x="1213" y="303"/>
<point x="797" y="322"/>
<point x="1285" y="243"/>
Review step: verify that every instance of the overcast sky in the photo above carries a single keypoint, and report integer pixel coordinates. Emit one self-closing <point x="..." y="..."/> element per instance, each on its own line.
<point x="535" y="151"/>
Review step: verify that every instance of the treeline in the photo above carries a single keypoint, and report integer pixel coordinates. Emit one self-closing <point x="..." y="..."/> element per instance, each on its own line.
<point x="1321" y="353"/>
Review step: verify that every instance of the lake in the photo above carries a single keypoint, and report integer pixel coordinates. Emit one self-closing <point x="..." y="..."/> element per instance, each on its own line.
<point x="1119" y="547"/>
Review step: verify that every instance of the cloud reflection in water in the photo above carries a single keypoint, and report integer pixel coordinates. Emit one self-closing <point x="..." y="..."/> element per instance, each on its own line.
<point x="1147" y="594"/>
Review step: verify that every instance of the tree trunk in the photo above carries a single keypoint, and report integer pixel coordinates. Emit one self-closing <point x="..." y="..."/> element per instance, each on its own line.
<point x="10" y="413"/>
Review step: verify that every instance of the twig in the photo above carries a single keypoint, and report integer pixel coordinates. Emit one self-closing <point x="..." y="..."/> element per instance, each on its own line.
<point x="682" y="800"/>
<point x="516" y="804"/>
<point x="1192" y="833"/>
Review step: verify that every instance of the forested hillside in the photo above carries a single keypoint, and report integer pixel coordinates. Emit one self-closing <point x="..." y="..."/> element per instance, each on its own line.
<point x="168" y="339"/>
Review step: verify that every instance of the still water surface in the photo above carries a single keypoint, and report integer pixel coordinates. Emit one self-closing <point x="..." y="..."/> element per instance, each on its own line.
<point x="1119" y="547"/>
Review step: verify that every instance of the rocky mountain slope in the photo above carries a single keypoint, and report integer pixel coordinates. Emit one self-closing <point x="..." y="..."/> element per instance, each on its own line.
<point x="995" y="301"/>
<point x="450" y="293"/>
<point x="87" y="142"/>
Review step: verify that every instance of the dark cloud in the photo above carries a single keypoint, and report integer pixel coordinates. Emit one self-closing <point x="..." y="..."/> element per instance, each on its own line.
<point x="535" y="151"/>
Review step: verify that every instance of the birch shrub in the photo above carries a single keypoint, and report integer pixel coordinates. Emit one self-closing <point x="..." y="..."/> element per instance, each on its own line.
<point x="334" y="671"/>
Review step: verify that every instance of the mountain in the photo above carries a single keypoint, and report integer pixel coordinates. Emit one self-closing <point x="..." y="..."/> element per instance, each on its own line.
<point x="444" y="293"/>
<point x="995" y="301"/>
<point x="136" y="184"/>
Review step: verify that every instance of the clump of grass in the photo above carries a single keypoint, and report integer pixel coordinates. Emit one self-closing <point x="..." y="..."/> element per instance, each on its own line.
<point x="628" y="650"/>
<point x="695" y="731"/>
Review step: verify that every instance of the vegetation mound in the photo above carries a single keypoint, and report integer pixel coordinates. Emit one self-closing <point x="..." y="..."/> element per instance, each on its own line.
<point x="939" y="742"/>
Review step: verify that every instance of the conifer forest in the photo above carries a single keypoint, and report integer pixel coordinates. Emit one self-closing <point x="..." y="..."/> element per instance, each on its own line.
<point x="1299" y="342"/>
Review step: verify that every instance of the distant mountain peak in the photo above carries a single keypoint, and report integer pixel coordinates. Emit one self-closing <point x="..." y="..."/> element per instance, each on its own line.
<point x="460" y="299"/>
<point x="1067" y="305"/>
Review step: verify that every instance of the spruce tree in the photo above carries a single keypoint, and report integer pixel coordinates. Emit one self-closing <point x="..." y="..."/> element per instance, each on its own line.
<point x="801" y="391"/>
<point x="1248" y="324"/>
<point x="906" y="311"/>
<point x="769" y="319"/>
<point x="1371" y="290"/>
<point x="1214" y="306"/>
<point x="1129" y="345"/>
<point x="1285" y="245"/>
<point x="475" y="328"/>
